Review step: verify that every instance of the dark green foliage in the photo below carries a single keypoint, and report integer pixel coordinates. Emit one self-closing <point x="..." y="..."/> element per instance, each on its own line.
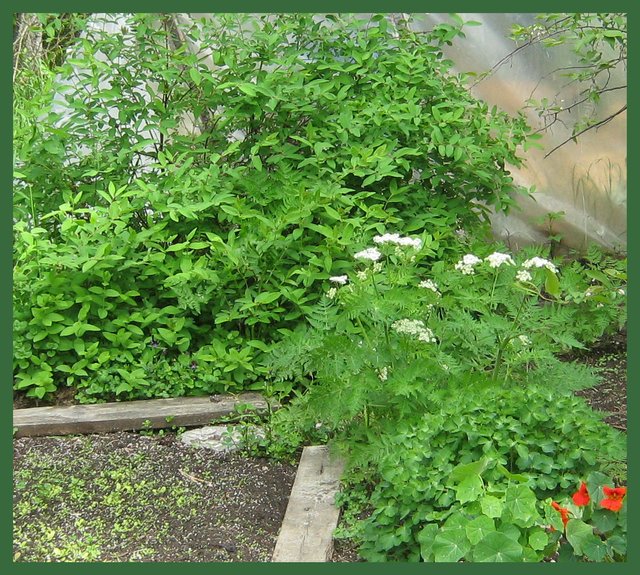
<point x="200" y="208"/>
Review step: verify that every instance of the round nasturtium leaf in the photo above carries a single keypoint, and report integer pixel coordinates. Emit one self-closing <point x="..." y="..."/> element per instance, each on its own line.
<point x="478" y="528"/>
<point x="491" y="506"/>
<point x="538" y="539"/>
<point x="497" y="548"/>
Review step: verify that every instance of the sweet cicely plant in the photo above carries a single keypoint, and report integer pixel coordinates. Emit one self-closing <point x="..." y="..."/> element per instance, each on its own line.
<point x="399" y="326"/>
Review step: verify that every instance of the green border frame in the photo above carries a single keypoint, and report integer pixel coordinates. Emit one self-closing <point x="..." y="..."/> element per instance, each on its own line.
<point x="291" y="6"/>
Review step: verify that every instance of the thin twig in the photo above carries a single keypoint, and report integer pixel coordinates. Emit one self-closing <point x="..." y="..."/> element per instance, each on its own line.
<point x="596" y="126"/>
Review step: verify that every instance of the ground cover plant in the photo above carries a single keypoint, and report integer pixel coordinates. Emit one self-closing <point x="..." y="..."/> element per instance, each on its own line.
<point x="448" y="387"/>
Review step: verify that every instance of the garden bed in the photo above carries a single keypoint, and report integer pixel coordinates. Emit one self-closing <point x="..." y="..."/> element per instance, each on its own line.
<point x="135" y="497"/>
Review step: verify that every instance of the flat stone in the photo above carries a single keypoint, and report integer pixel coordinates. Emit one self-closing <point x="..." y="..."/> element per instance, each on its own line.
<point x="219" y="438"/>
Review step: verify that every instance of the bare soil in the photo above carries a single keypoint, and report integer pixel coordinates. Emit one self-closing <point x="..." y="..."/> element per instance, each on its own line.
<point x="131" y="497"/>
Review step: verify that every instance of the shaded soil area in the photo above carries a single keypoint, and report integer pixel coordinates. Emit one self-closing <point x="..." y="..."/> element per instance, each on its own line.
<point x="609" y="358"/>
<point x="130" y="497"/>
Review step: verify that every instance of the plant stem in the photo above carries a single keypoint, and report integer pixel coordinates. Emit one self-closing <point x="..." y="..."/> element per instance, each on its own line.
<point x="502" y="345"/>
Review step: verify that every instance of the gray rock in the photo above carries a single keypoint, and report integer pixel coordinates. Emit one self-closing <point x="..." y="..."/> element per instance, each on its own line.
<point x="219" y="438"/>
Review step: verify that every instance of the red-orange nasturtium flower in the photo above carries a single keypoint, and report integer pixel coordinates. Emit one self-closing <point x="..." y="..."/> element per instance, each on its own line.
<point x="564" y="513"/>
<point x="613" y="497"/>
<point x="581" y="497"/>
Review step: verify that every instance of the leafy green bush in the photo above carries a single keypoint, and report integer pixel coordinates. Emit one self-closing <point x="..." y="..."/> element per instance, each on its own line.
<point x="201" y="207"/>
<point x="491" y="442"/>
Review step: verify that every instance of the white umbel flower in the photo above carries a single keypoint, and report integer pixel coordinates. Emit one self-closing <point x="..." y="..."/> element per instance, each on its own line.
<point x="339" y="279"/>
<point x="372" y="254"/>
<point x="523" y="276"/>
<point x="466" y="264"/>
<point x="398" y="240"/>
<point x="414" y="327"/>
<point x="496" y="259"/>
<point x="429" y="284"/>
<point x="537" y="262"/>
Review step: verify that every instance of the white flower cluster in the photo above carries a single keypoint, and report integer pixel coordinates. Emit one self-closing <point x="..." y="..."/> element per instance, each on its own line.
<point x="398" y="240"/>
<point x="429" y="284"/>
<point x="372" y="254"/>
<point x="465" y="265"/>
<point x="496" y="259"/>
<point x="332" y="293"/>
<point x="523" y="276"/>
<point x="339" y="279"/>
<point x="414" y="327"/>
<point x="361" y="275"/>
<point x="539" y="263"/>
<point x="383" y="374"/>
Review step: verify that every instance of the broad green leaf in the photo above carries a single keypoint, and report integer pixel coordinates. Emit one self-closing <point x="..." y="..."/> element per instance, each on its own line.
<point x="604" y="520"/>
<point x="257" y="162"/>
<point x="451" y="545"/>
<point x="464" y="470"/>
<point x="520" y="502"/>
<point x="426" y="539"/>
<point x="497" y="548"/>
<point x="478" y="528"/>
<point x="469" y="489"/>
<point x="551" y="283"/>
<point x="538" y="539"/>
<point x="267" y="297"/>
<point x="195" y="76"/>
<point x="581" y="536"/>
<point x="491" y="506"/>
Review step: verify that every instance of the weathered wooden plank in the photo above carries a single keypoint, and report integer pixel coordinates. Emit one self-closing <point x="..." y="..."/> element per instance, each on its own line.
<point x="128" y="415"/>
<point x="306" y="534"/>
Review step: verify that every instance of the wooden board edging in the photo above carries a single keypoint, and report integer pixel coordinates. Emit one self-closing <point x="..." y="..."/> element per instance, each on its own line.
<point x="307" y="530"/>
<point x="129" y="415"/>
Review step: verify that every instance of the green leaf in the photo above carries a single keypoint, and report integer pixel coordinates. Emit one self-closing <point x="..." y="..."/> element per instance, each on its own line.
<point x="257" y="162"/>
<point x="267" y="297"/>
<point x="551" y="283"/>
<point x="195" y="76"/>
<point x="464" y="470"/>
<point x="69" y="330"/>
<point x="538" y="539"/>
<point x="497" y="548"/>
<point x="604" y="520"/>
<point x="248" y="88"/>
<point x="491" y="506"/>
<point x="520" y="503"/>
<point x="450" y="545"/>
<point x="88" y="265"/>
<point x="479" y="528"/>
<point x="426" y="539"/>
<point x="469" y="489"/>
<point x="582" y="538"/>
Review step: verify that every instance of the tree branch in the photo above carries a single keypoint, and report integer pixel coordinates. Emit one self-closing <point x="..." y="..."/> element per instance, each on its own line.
<point x="591" y="127"/>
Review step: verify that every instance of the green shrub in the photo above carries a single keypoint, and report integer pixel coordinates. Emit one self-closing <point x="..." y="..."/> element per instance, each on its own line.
<point x="136" y="229"/>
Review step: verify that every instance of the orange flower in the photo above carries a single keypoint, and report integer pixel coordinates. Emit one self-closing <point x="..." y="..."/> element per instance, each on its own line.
<point x="613" y="497"/>
<point x="581" y="497"/>
<point x="564" y="513"/>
